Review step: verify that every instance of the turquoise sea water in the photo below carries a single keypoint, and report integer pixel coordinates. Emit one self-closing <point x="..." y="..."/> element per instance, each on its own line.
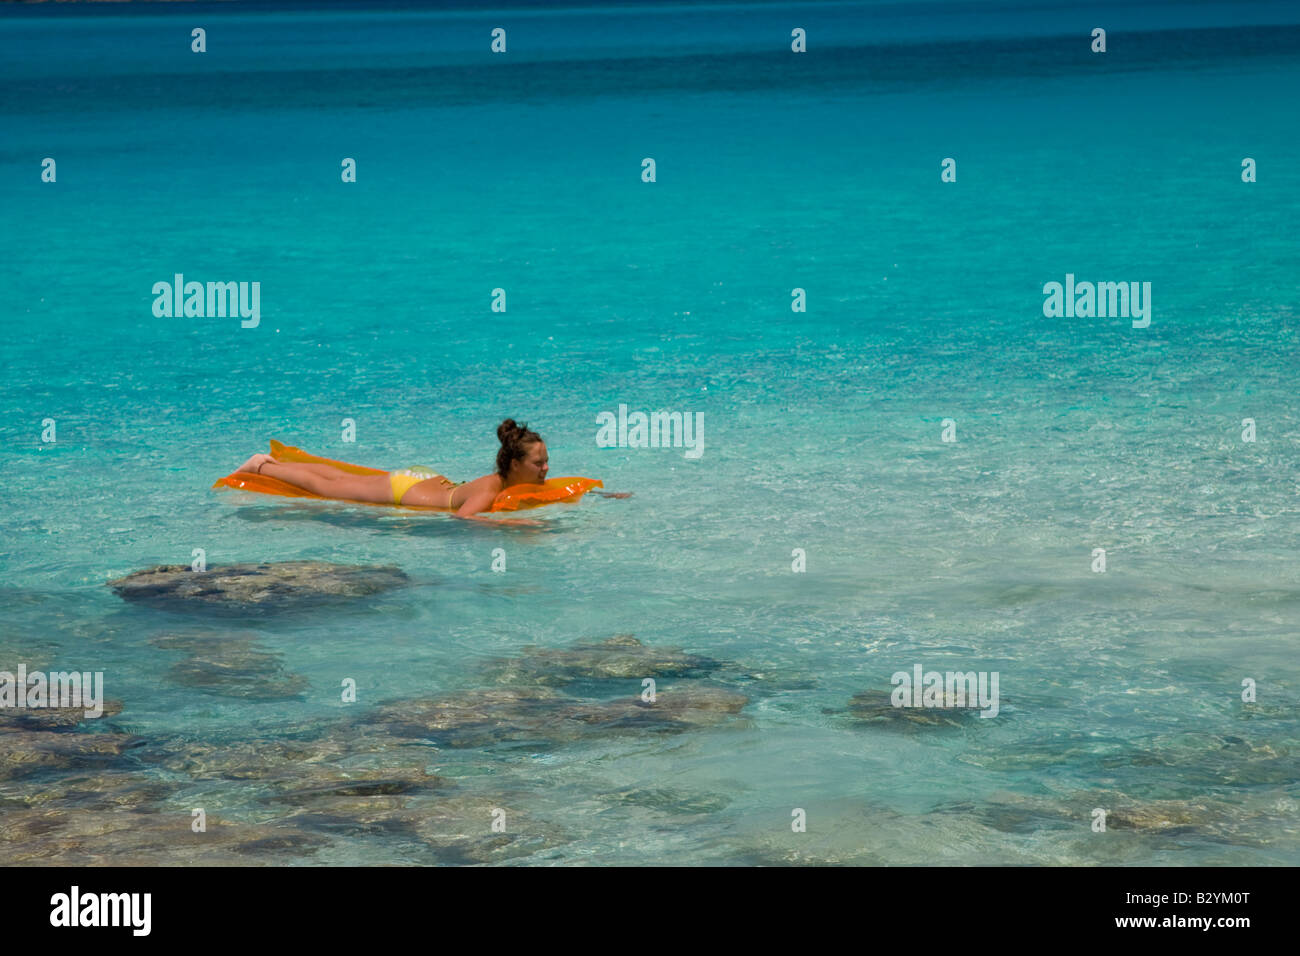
<point x="822" y="429"/>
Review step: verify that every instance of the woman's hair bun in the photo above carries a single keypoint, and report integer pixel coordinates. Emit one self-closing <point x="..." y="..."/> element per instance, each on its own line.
<point x="507" y="430"/>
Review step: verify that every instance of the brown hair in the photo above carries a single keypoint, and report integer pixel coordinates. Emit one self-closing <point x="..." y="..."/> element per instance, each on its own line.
<point x="514" y="439"/>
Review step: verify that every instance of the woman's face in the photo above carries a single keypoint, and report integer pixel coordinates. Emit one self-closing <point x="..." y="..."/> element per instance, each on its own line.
<point x="532" y="468"/>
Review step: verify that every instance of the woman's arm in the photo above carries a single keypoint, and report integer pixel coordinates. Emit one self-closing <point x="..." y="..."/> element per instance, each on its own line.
<point x="480" y="501"/>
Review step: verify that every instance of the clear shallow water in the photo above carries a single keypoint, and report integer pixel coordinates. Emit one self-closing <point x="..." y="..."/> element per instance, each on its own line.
<point x="821" y="429"/>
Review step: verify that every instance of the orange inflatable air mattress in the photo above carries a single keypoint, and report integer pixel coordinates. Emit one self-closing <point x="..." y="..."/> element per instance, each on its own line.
<point x="514" y="498"/>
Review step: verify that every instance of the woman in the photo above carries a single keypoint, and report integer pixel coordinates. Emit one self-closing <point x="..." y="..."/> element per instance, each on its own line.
<point x="521" y="460"/>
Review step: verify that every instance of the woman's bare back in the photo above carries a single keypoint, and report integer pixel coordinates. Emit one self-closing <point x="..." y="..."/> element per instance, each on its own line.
<point x="440" y="492"/>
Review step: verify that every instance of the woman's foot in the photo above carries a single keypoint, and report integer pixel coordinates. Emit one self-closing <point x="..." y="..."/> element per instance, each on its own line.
<point x="256" y="462"/>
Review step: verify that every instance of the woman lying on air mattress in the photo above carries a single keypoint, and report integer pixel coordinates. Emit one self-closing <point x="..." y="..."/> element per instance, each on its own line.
<point x="519" y="481"/>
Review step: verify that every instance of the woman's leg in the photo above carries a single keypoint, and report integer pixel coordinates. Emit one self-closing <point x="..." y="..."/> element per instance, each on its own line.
<point x="327" y="471"/>
<point x="331" y="483"/>
<point x="318" y="468"/>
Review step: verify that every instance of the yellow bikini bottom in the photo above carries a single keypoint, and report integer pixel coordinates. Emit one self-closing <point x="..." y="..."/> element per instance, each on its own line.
<point x="402" y="482"/>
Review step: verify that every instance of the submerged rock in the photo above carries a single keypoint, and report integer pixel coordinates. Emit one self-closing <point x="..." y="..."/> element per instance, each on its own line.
<point x="443" y="828"/>
<point x="469" y="830"/>
<point x="54" y="718"/>
<point x="679" y="707"/>
<point x="232" y="666"/>
<point x="669" y="801"/>
<point x="542" y="716"/>
<point x="366" y="802"/>
<point x="619" y="657"/>
<point x="404" y="805"/>
<point x="242" y="587"/>
<point x="1285" y="709"/>
<point x="24" y="752"/>
<point x="242" y="759"/>
<point x="1206" y="761"/>
<point x="305" y="753"/>
<point x="341" y="789"/>
<point x="82" y="837"/>
<point x="839" y="833"/>
<point x="107" y="790"/>
<point x="474" y="718"/>
<point x="304" y="778"/>
<point x="1240" y="822"/>
<point x="877" y="707"/>
<point x="1197" y="761"/>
